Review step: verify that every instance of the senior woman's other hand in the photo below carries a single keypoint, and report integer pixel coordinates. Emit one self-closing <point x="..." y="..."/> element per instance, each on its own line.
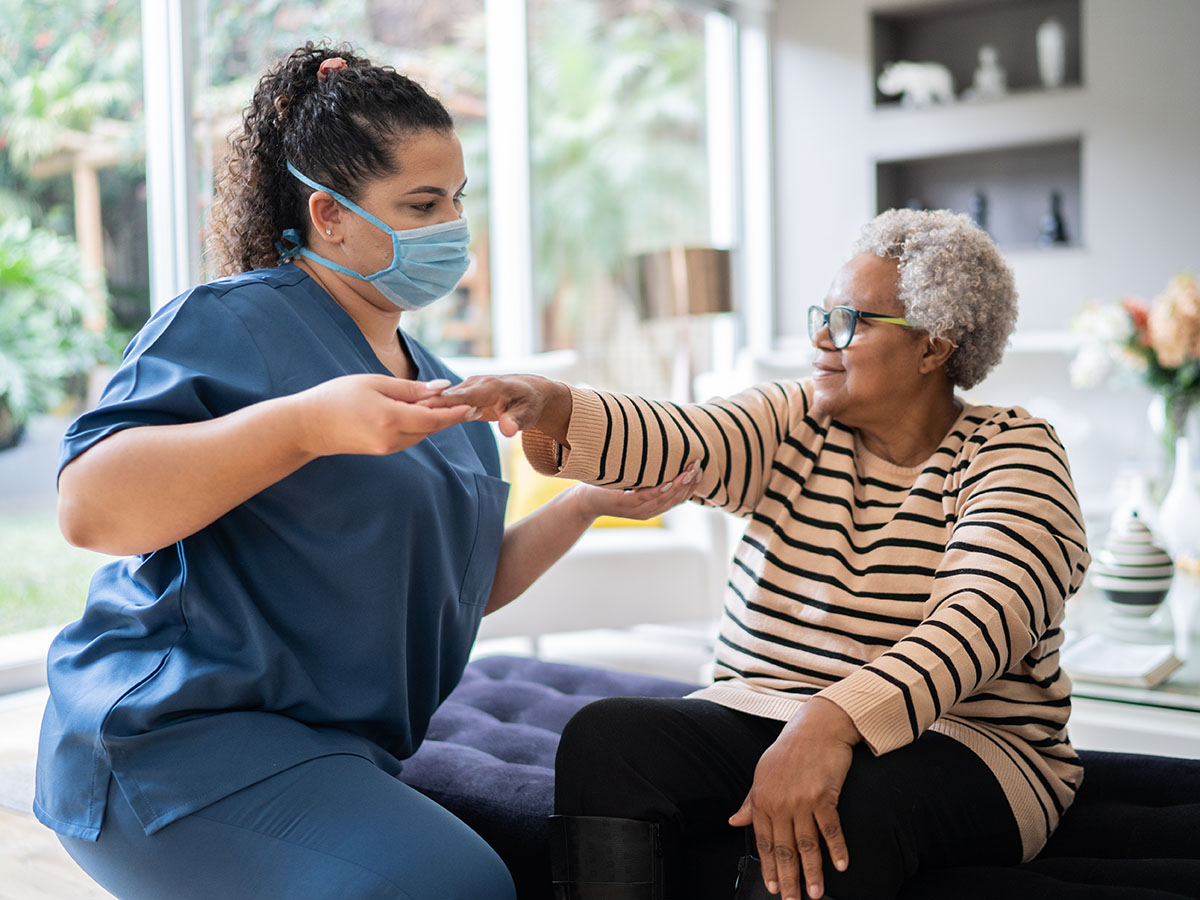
<point x="792" y="803"/>
<point x="516" y="402"/>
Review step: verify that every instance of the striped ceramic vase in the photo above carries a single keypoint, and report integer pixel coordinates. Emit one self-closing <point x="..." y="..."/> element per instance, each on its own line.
<point x="1132" y="570"/>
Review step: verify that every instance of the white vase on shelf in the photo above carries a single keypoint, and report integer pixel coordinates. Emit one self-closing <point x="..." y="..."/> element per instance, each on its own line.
<point x="1178" y="519"/>
<point x="1052" y="53"/>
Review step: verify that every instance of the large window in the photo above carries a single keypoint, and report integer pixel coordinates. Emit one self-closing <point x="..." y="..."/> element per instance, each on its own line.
<point x="594" y="130"/>
<point x="615" y="127"/>
<point x="618" y="152"/>
<point x="74" y="272"/>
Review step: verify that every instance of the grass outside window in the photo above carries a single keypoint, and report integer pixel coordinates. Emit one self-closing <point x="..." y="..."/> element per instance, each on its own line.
<point x="43" y="579"/>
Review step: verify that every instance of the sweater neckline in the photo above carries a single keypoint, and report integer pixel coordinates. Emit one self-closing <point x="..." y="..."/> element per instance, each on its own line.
<point x="872" y="464"/>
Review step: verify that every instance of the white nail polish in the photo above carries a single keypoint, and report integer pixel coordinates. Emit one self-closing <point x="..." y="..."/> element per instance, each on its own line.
<point x="438" y="384"/>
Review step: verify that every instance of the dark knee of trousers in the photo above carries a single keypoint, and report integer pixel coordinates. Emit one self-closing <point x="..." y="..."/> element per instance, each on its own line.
<point x="599" y="747"/>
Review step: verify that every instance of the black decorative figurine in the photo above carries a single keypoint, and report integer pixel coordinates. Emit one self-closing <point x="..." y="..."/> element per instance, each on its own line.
<point x="1054" y="231"/>
<point x="977" y="208"/>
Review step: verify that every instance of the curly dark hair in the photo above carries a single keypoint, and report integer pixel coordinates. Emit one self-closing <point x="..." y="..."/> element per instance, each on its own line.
<point x="340" y="129"/>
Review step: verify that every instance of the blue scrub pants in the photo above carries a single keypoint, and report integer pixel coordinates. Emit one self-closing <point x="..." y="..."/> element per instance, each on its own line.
<point x="335" y="827"/>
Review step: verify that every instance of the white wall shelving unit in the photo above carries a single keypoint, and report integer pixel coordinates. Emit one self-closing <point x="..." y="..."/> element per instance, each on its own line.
<point x="1129" y="104"/>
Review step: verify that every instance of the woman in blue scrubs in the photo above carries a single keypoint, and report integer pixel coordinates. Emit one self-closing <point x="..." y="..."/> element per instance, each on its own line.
<point x="307" y="550"/>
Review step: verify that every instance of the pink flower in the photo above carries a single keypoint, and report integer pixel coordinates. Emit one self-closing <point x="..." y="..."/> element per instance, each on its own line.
<point x="1139" y="314"/>
<point x="1174" y="323"/>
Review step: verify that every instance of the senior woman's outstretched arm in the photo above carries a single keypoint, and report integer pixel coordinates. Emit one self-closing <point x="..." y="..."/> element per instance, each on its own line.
<point x="627" y="441"/>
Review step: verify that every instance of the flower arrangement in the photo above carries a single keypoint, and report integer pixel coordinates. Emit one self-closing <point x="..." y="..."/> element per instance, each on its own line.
<point x="1155" y="343"/>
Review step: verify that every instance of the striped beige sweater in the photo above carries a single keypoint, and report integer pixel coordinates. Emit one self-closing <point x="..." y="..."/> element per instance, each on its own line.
<point x="914" y="598"/>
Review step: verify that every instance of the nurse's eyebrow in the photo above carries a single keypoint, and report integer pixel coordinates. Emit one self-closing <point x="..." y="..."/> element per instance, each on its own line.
<point x="429" y="189"/>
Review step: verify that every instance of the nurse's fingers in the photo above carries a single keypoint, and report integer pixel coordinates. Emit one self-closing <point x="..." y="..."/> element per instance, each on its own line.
<point x="411" y="391"/>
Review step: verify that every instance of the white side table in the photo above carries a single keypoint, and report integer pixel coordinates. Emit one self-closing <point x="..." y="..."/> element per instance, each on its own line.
<point x="1163" y="720"/>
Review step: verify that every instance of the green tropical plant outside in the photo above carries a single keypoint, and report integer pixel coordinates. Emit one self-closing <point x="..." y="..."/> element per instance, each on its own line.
<point x="42" y="302"/>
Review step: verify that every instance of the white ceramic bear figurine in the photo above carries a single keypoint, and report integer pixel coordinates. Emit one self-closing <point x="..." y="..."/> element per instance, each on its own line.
<point x="920" y="83"/>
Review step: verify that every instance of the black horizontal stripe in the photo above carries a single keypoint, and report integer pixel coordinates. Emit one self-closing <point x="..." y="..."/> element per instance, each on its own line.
<point x="965" y="644"/>
<point x="674" y="420"/>
<point x="770" y="404"/>
<point x="750" y="675"/>
<point x="904" y="692"/>
<point x="824" y="677"/>
<point x="823" y="578"/>
<point x="748" y="458"/>
<point x="1041" y="683"/>
<point x="781" y="591"/>
<point x="996" y="654"/>
<point x="1039" y="496"/>
<point x="987" y="696"/>
<point x="940" y="654"/>
<point x="645" y="455"/>
<point x="828" y="525"/>
<point x="781" y="535"/>
<point x="664" y="445"/>
<point x="989" y="574"/>
<point x="762" y="610"/>
<point x="930" y="688"/>
<point x="778" y="641"/>
<point x="608" y="430"/>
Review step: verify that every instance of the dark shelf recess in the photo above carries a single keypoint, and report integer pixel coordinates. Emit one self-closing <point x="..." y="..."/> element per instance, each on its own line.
<point x="1016" y="181"/>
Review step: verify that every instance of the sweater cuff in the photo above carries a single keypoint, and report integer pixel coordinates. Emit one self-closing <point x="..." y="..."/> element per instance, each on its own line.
<point x="543" y="452"/>
<point x="876" y="707"/>
<point x="579" y="458"/>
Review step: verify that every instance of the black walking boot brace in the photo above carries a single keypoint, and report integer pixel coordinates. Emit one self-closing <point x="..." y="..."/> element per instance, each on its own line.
<point x="602" y="858"/>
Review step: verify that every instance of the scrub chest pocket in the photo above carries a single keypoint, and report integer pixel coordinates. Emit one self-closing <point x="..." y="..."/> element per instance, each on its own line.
<point x="485" y="546"/>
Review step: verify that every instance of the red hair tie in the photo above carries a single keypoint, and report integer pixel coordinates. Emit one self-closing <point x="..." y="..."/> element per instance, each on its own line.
<point x="333" y="64"/>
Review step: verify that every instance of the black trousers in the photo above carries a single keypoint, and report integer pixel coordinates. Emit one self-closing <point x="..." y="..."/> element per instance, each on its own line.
<point x="689" y="764"/>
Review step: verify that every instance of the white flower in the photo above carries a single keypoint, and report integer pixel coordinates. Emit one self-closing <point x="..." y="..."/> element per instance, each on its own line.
<point x="1091" y="365"/>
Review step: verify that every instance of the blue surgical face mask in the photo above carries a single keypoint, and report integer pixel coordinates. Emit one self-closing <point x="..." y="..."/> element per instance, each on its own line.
<point x="427" y="263"/>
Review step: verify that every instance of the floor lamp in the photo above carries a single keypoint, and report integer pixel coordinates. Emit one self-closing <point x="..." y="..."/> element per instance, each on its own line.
<point x="681" y="284"/>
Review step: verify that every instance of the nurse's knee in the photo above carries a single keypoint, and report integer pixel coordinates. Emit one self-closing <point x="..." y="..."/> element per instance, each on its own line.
<point x="463" y="876"/>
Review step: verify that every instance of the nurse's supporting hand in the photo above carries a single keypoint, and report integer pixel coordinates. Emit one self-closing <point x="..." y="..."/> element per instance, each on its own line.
<point x="640" y="503"/>
<point x="373" y="414"/>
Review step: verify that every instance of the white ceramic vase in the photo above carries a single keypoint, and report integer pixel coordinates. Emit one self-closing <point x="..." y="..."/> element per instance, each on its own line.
<point x="1052" y="53"/>
<point x="1178" y="519"/>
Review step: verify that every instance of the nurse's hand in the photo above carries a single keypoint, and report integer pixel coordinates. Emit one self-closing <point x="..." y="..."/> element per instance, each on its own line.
<point x="372" y="415"/>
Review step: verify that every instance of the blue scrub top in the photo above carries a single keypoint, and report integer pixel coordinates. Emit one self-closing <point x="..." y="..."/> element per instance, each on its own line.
<point x="330" y="613"/>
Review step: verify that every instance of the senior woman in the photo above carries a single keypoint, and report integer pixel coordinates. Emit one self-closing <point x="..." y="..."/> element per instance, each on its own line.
<point x="887" y="693"/>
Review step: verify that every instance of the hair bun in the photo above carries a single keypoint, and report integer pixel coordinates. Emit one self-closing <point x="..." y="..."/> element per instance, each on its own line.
<point x="333" y="64"/>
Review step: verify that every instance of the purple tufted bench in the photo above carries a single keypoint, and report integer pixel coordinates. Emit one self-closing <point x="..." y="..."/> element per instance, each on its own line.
<point x="1133" y="832"/>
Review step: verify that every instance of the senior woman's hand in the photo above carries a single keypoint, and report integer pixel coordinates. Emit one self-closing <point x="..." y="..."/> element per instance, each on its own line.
<point x="516" y="402"/>
<point x="792" y="803"/>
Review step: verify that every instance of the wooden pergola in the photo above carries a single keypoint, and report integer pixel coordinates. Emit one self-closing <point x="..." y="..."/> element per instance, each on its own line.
<point x="83" y="155"/>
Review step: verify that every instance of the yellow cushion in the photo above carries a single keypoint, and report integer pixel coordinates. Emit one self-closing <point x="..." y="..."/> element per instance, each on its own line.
<point x="530" y="490"/>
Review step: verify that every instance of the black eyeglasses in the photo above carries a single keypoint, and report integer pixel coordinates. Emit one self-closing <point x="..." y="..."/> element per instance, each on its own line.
<point x="842" y="320"/>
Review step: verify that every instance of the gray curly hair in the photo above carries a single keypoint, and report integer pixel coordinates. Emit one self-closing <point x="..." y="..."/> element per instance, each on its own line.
<point x="953" y="284"/>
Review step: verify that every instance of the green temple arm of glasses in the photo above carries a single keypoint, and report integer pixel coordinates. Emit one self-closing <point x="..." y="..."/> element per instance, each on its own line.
<point x="892" y="320"/>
